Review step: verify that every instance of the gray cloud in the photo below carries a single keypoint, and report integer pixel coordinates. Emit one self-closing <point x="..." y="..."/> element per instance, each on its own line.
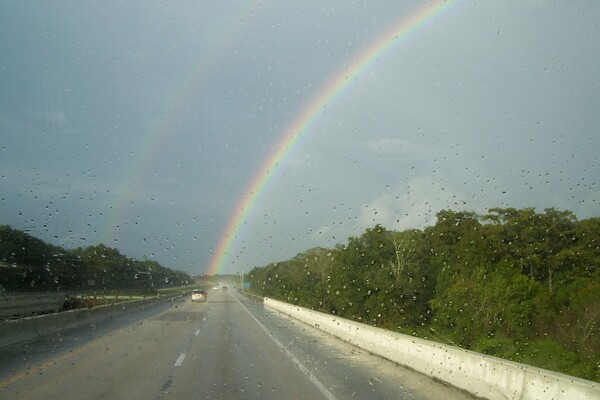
<point x="143" y="125"/>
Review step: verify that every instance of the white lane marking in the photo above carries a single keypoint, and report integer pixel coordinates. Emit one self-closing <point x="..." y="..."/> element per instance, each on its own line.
<point x="328" y="395"/>
<point x="197" y="332"/>
<point x="180" y="360"/>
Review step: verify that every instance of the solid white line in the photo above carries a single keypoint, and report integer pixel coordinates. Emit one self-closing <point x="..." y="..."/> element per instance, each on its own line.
<point x="197" y="332"/>
<point x="328" y="395"/>
<point x="180" y="360"/>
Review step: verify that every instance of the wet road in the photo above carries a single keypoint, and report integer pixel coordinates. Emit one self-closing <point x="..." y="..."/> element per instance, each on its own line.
<point x="227" y="348"/>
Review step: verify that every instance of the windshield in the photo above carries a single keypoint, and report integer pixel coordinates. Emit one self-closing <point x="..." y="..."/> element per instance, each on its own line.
<point x="429" y="168"/>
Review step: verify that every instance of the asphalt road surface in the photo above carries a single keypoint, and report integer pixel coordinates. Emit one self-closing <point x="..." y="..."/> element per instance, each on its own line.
<point x="227" y="348"/>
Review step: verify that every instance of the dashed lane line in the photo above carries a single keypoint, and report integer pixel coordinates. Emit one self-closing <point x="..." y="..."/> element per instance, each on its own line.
<point x="180" y="360"/>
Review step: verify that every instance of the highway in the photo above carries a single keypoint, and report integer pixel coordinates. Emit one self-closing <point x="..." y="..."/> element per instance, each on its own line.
<point x="230" y="347"/>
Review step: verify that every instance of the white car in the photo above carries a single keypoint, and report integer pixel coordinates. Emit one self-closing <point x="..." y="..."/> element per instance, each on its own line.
<point x="199" y="295"/>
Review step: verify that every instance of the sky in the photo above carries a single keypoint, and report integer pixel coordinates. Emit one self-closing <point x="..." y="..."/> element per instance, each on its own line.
<point x="147" y="125"/>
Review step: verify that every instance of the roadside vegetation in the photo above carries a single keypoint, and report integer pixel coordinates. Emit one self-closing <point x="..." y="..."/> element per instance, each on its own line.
<point x="512" y="283"/>
<point x="29" y="264"/>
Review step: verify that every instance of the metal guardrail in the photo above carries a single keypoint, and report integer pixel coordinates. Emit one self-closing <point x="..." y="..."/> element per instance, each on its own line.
<point x="26" y="304"/>
<point x="22" y="329"/>
<point x="21" y="304"/>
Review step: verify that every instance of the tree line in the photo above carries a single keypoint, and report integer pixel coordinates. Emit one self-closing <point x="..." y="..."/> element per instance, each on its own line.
<point x="31" y="264"/>
<point x="513" y="283"/>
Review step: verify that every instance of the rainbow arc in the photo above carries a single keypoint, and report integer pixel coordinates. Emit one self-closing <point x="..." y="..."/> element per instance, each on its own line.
<point x="307" y="117"/>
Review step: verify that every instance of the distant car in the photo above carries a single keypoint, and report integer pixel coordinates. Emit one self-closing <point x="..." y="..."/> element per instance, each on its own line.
<point x="224" y="288"/>
<point x="199" y="295"/>
<point x="216" y="287"/>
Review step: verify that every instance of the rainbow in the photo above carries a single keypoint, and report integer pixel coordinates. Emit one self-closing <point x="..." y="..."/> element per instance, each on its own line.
<point x="307" y="117"/>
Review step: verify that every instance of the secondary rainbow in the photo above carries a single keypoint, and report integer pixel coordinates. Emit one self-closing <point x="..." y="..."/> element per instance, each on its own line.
<point x="161" y="128"/>
<point x="308" y="116"/>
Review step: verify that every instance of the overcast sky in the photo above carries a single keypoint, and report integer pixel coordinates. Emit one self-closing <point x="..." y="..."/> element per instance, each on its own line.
<point x="141" y="124"/>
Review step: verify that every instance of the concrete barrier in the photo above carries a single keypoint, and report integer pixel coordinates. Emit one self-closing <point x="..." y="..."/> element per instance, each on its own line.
<point x="16" y="331"/>
<point x="481" y="375"/>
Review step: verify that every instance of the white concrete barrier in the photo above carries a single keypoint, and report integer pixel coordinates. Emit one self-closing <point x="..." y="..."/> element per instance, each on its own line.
<point x="481" y="375"/>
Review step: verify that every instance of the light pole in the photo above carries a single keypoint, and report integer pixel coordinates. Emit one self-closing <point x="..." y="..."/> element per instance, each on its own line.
<point x="240" y="281"/>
